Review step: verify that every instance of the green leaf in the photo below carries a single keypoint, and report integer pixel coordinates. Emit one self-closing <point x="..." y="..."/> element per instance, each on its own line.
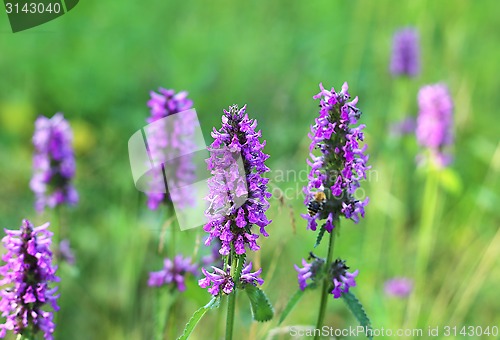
<point x="357" y="310"/>
<point x="262" y="310"/>
<point x="320" y="235"/>
<point x="214" y="303"/>
<point x="290" y="305"/>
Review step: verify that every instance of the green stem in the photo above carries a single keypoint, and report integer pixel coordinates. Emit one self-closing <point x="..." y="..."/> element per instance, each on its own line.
<point x="326" y="284"/>
<point x="231" y="302"/>
<point x="170" y="321"/>
<point x="425" y="243"/>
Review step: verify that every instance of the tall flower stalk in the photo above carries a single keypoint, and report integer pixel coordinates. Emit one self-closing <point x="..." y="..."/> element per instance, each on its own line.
<point x="338" y="165"/>
<point x="53" y="172"/>
<point x="27" y="274"/>
<point x="434" y="133"/>
<point x="238" y="198"/>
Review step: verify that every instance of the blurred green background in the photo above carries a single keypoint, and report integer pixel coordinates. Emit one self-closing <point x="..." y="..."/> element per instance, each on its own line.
<point x="98" y="63"/>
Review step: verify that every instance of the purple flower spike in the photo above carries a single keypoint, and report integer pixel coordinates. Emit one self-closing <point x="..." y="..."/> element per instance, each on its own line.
<point x="173" y="273"/>
<point x="53" y="163"/>
<point x="398" y="287"/>
<point x="222" y="281"/>
<point x="405" y="53"/>
<point x="163" y="104"/>
<point x="336" y="173"/>
<point x="238" y="196"/>
<point x="341" y="278"/>
<point x="435" y="122"/>
<point x="27" y="274"/>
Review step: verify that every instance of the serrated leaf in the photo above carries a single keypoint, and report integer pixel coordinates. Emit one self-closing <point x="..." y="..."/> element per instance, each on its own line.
<point x="214" y="303"/>
<point x="262" y="310"/>
<point x="357" y="310"/>
<point x="290" y="305"/>
<point x="320" y="235"/>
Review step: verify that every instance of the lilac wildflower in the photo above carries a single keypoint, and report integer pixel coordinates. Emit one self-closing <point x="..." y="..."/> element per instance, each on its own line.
<point x="405" y="53"/>
<point x="399" y="287"/>
<point x="435" y="122"/>
<point x="27" y="274"/>
<point x="310" y="271"/>
<point x="53" y="163"/>
<point x="173" y="273"/>
<point x="221" y="280"/>
<point x="341" y="165"/>
<point x="245" y="190"/>
<point x="173" y="140"/>
<point x="341" y="278"/>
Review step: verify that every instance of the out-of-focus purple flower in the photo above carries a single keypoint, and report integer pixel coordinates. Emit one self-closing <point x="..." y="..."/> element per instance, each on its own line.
<point x="221" y="280"/>
<point x="435" y="122"/>
<point x="53" y="163"/>
<point x="165" y="139"/>
<point x="405" y="53"/>
<point x="65" y="252"/>
<point x="341" y="165"/>
<point x="173" y="273"/>
<point x="310" y="271"/>
<point x="229" y="222"/>
<point x="214" y="258"/>
<point x="403" y="127"/>
<point x="399" y="287"/>
<point x="341" y="278"/>
<point x="26" y="277"/>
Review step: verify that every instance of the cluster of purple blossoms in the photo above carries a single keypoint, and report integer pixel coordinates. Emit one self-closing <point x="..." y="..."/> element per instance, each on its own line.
<point x="398" y="287"/>
<point x="164" y="139"/>
<point x="342" y="163"/>
<point x="27" y="274"/>
<point x="405" y="53"/>
<point x="221" y="280"/>
<point x="435" y="122"/>
<point x="341" y="279"/>
<point x="310" y="271"/>
<point x="53" y="163"/>
<point x="173" y="273"/>
<point x="237" y="194"/>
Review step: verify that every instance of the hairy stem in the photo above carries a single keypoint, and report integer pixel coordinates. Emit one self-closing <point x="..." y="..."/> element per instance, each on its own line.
<point x="326" y="284"/>
<point x="231" y="303"/>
